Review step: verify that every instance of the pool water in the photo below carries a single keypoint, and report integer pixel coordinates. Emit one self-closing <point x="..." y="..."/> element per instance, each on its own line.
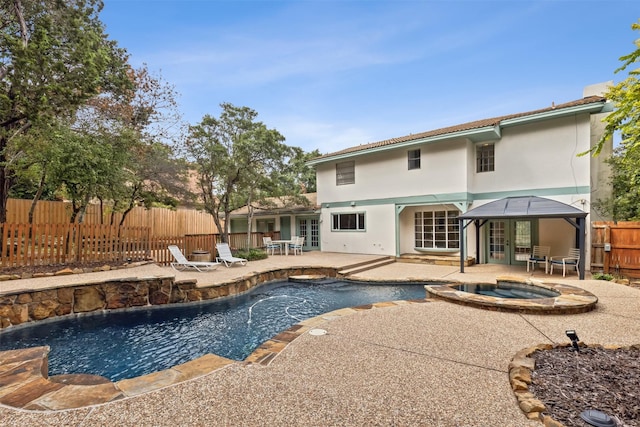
<point x="127" y="344"/>
<point x="504" y="290"/>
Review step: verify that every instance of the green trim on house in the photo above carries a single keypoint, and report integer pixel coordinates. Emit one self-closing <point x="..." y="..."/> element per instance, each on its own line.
<point x="546" y="115"/>
<point x="540" y="192"/>
<point x="430" y="199"/>
<point x="457" y="199"/>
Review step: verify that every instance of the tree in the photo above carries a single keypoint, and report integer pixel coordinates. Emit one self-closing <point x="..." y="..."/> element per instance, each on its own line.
<point x="304" y="176"/>
<point x="84" y="164"/>
<point x="233" y="155"/>
<point x="266" y="156"/>
<point x="626" y="99"/>
<point x="624" y="203"/>
<point x="150" y="116"/>
<point x="54" y="56"/>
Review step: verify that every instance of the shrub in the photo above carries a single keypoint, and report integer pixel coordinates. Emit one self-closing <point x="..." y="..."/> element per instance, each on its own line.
<point x="252" y="254"/>
<point x="602" y="276"/>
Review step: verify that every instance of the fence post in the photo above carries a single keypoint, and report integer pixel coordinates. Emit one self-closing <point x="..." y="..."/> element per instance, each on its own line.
<point x="607" y="254"/>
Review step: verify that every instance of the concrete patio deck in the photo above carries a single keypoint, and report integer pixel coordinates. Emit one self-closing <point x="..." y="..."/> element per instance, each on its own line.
<point x="431" y="364"/>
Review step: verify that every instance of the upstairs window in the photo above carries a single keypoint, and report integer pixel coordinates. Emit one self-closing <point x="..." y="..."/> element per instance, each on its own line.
<point x="413" y="157"/>
<point x="350" y="221"/>
<point x="345" y="173"/>
<point x="485" y="159"/>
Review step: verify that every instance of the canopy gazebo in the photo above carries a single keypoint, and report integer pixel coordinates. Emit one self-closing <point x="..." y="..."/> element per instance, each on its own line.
<point x="524" y="207"/>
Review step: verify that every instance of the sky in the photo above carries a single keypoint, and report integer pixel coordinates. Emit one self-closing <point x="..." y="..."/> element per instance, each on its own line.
<point x="332" y="74"/>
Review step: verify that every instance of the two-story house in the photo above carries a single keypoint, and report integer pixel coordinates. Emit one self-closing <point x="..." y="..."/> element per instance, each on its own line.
<point x="404" y="195"/>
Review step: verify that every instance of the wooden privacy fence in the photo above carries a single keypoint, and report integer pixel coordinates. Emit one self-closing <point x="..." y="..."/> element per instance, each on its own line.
<point x="161" y="221"/>
<point x="51" y="244"/>
<point x="42" y="244"/>
<point x="615" y="248"/>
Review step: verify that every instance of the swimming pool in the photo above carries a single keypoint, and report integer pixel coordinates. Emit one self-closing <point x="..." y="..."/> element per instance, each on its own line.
<point x="127" y="344"/>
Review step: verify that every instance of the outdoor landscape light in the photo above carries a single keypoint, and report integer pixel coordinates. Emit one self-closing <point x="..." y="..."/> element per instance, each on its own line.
<point x="574" y="339"/>
<point x="597" y="418"/>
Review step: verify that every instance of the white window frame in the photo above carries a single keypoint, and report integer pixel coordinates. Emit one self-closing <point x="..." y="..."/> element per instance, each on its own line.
<point x="346" y="173"/>
<point x="437" y="230"/>
<point x="358" y="221"/>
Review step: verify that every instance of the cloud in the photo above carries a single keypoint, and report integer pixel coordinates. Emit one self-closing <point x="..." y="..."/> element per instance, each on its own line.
<point x="324" y="136"/>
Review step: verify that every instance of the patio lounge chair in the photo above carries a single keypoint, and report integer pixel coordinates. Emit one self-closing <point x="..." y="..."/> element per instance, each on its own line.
<point x="572" y="259"/>
<point x="271" y="246"/>
<point x="539" y="255"/>
<point x="224" y="255"/>
<point x="182" y="263"/>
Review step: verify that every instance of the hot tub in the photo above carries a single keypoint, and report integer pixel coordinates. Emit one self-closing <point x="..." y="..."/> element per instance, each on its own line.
<point x="517" y="295"/>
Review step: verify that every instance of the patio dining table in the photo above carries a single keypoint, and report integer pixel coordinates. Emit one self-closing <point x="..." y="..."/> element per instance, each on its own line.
<point x="285" y="243"/>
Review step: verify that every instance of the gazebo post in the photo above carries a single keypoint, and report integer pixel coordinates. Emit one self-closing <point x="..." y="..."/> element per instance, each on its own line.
<point x="478" y="225"/>
<point x="581" y="243"/>
<point x="461" y="244"/>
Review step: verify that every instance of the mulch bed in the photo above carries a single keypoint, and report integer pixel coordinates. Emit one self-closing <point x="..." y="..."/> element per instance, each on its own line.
<point x="52" y="268"/>
<point x="570" y="382"/>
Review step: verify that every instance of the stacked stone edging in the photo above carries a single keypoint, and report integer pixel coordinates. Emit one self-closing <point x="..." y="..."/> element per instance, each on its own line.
<point x="28" y="306"/>
<point x="65" y="271"/>
<point x="520" y="371"/>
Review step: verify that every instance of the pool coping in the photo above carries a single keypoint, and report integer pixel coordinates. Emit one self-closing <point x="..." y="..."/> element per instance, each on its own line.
<point x="572" y="300"/>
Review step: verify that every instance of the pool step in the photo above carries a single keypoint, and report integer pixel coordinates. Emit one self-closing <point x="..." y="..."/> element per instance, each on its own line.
<point x="366" y="265"/>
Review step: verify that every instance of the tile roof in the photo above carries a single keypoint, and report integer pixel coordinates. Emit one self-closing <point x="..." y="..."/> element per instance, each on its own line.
<point x="478" y="124"/>
<point x="281" y="206"/>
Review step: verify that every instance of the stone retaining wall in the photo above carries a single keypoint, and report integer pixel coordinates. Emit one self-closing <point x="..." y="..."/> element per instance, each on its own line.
<point x="29" y="306"/>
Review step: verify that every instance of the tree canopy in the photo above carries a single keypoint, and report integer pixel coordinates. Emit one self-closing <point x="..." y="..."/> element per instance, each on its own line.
<point x="626" y="99"/>
<point x="624" y="202"/>
<point x="54" y="56"/>
<point x="239" y="161"/>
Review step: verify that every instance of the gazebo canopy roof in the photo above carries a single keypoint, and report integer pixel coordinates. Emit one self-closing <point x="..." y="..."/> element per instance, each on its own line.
<point x="522" y="207"/>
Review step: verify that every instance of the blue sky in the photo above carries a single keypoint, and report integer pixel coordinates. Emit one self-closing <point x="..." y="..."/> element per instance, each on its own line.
<point x="331" y="74"/>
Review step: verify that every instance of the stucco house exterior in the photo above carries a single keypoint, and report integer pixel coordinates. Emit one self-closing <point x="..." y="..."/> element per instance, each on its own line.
<point x="404" y="195"/>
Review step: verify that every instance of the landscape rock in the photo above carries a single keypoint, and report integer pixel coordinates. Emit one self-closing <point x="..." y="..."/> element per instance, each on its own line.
<point x="63" y="272"/>
<point x="88" y="299"/>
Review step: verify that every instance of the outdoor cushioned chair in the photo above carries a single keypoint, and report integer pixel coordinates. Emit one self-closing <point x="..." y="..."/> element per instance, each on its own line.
<point x="539" y="255"/>
<point x="224" y="255"/>
<point x="296" y="244"/>
<point x="182" y="263"/>
<point x="270" y="246"/>
<point x="570" y="260"/>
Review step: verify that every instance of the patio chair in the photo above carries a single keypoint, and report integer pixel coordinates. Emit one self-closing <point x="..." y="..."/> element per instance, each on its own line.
<point x="225" y="256"/>
<point x="182" y="263"/>
<point x="296" y="245"/>
<point x="572" y="259"/>
<point x="270" y="246"/>
<point x="539" y="255"/>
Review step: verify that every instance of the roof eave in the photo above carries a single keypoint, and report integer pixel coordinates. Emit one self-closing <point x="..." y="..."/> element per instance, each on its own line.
<point x="487" y="133"/>
<point x="599" y="107"/>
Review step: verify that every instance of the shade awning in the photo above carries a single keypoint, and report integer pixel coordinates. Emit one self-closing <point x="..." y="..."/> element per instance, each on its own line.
<point x="522" y="207"/>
